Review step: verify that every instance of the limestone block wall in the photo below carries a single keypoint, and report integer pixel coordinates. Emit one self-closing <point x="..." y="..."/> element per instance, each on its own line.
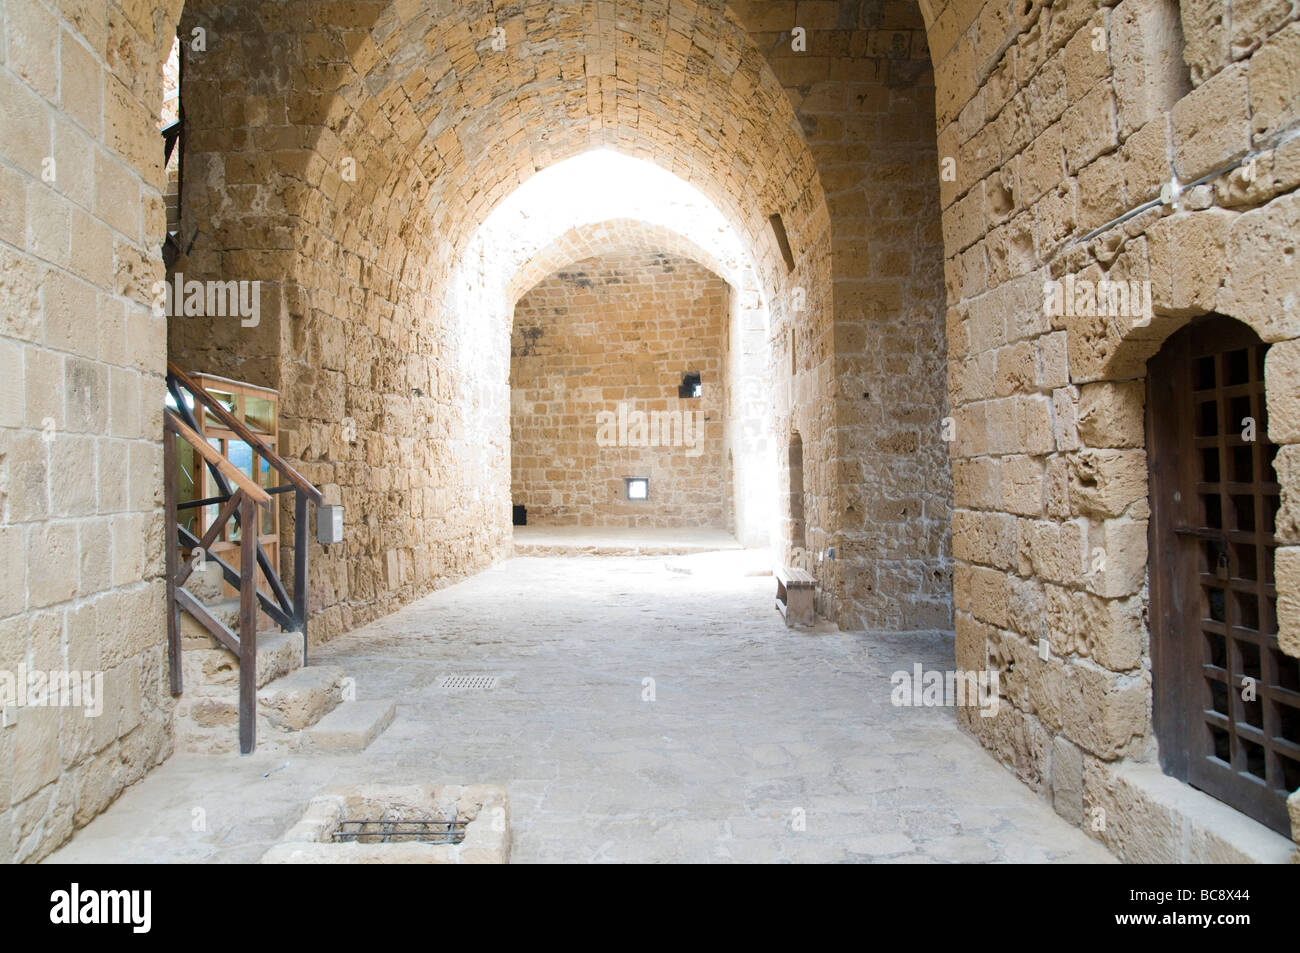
<point x="863" y="92"/>
<point x="381" y="404"/>
<point x="613" y="335"/>
<point x="1060" y="118"/>
<point x="361" y="145"/>
<point x="237" y="155"/>
<point x="81" y="358"/>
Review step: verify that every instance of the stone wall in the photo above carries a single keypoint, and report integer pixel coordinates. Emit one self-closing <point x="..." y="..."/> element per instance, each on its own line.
<point x="380" y="405"/>
<point x="595" y="344"/>
<point x="81" y="358"/>
<point x="345" y="154"/>
<point x="865" y="386"/>
<point x="1058" y="120"/>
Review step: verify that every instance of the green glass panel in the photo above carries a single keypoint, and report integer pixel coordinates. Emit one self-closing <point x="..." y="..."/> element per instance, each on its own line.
<point x="266" y="480"/>
<point x="259" y="413"/>
<point x="225" y="400"/>
<point x="187" y="488"/>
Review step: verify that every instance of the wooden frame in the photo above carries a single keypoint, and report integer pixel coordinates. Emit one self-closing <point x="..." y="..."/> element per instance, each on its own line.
<point x="241" y="499"/>
<point x="225" y="441"/>
<point x="1214" y="499"/>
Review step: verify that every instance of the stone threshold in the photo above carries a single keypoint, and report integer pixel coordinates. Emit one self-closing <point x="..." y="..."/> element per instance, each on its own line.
<point x="1153" y="818"/>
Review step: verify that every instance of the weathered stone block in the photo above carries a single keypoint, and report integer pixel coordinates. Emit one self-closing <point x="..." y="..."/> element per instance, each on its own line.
<point x="1189" y="260"/>
<point x="1275" y="81"/>
<point x="1110" y="631"/>
<point x="1123" y="547"/>
<point x="1087" y="56"/>
<point x="1150" y="76"/>
<point x="1260" y="285"/>
<point x="1106" y="483"/>
<point x="1067" y="780"/>
<point x="1112" y="414"/>
<point x="1089" y="127"/>
<point x="1287" y="576"/>
<point x="1211" y="124"/>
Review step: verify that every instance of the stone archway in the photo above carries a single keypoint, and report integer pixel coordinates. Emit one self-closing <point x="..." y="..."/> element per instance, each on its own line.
<point x="746" y="400"/>
<point x="384" y="185"/>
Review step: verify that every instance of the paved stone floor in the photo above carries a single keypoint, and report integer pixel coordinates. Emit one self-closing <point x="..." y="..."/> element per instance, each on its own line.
<point x="619" y="541"/>
<point x="751" y="726"/>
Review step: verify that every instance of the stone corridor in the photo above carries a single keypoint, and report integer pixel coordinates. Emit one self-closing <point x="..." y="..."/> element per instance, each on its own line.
<point x="752" y="726"/>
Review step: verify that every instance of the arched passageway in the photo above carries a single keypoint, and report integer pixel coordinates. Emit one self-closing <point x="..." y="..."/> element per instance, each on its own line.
<point x="906" y="182"/>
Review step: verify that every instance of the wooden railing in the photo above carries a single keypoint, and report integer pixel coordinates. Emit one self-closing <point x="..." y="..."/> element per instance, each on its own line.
<point x="171" y="135"/>
<point x="239" y="498"/>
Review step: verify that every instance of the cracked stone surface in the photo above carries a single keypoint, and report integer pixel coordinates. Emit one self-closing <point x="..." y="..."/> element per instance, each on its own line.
<point x="752" y="725"/>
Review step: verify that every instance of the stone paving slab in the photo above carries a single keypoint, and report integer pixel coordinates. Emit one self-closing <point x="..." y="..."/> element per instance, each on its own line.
<point x="619" y="541"/>
<point x="754" y="729"/>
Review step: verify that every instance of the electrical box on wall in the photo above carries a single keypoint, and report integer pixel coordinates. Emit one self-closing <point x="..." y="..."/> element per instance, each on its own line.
<point x="329" y="524"/>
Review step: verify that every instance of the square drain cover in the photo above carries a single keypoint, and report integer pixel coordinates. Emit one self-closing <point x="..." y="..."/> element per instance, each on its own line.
<point x="478" y="683"/>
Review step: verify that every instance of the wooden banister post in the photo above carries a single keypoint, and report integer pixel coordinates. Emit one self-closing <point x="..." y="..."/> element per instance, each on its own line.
<point x="248" y="526"/>
<point x="172" y="544"/>
<point x="300" y="567"/>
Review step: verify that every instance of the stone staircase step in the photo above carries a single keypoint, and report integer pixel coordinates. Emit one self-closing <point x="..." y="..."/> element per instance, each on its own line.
<point x="195" y="636"/>
<point x="301" y="698"/>
<point x="278" y="654"/>
<point x="207" y="583"/>
<point x="352" y="725"/>
<point x="215" y="670"/>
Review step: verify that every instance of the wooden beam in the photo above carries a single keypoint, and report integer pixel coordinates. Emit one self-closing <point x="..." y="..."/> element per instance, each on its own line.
<point x="172" y="544"/>
<point x="214" y="457"/>
<point x="210" y="535"/>
<point x="300" y="568"/>
<point x="278" y="615"/>
<point x="233" y="423"/>
<point x="216" y="628"/>
<point x="247" y="626"/>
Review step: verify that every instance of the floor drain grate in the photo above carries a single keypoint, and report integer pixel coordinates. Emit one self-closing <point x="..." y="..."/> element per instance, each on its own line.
<point x="392" y="831"/>
<point x="478" y="683"/>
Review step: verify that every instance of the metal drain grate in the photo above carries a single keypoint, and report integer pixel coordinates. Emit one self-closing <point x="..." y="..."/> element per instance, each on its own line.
<point x="387" y="830"/>
<point x="478" y="683"/>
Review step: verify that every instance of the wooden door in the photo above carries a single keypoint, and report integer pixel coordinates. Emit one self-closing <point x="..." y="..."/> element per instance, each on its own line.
<point x="1227" y="701"/>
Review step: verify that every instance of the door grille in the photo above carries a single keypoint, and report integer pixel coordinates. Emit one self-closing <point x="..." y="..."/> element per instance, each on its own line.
<point x="1227" y="698"/>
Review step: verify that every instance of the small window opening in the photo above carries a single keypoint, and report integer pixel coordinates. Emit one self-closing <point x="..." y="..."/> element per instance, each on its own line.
<point x="782" y="240"/>
<point x="638" y="488"/>
<point x="798" y="528"/>
<point x="690" y="385"/>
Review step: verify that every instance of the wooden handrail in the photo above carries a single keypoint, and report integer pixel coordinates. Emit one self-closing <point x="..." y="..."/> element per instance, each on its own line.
<point x="235" y="424"/>
<point x="239" y="496"/>
<point x="205" y="543"/>
<point x="212" y="456"/>
<point x="170" y="134"/>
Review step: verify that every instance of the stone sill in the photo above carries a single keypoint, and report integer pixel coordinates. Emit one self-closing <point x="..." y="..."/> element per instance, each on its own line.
<point x="1172" y="822"/>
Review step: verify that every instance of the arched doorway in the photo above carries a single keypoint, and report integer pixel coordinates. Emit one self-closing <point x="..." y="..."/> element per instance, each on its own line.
<point x="1226" y="699"/>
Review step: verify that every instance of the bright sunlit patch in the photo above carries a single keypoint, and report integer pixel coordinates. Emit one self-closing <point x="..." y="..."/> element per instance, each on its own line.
<point x="591" y="204"/>
<point x="596" y="187"/>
